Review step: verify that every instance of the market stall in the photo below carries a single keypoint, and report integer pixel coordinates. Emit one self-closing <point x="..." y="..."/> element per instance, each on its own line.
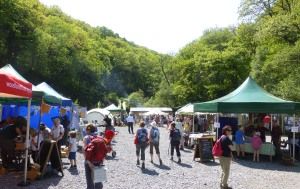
<point x="249" y="97"/>
<point x="14" y="89"/>
<point x="64" y="109"/>
<point x="118" y="114"/>
<point x="39" y="97"/>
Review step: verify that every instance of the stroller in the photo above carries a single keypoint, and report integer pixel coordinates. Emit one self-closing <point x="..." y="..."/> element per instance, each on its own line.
<point x="108" y="137"/>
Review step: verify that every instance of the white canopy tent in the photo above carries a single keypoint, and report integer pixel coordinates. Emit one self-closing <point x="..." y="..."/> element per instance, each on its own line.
<point x="187" y="109"/>
<point x="113" y="108"/>
<point x="97" y="115"/>
<point x="155" y="112"/>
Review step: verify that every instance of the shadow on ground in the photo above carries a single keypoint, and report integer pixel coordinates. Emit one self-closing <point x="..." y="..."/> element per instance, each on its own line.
<point x="210" y="163"/>
<point x="184" y="165"/>
<point x="109" y="157"/>
<point x="73" y="171"/>
<point x="151" y="172"/>
<point x="164" y="167"/>
<point x="267" y="165"/>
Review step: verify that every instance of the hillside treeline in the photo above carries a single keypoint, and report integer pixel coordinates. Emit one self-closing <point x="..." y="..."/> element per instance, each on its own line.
<point x="265" y="45"/>
<point x="88" y="64"/>
<point x="94" y="64"/>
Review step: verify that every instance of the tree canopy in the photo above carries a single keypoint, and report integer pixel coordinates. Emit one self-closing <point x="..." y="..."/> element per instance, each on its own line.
<point x="94" y="64"/>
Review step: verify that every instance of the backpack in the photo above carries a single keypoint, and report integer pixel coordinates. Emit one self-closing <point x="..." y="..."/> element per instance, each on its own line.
<point x="176" y="135"/>
<point x="142" y="136"/>
<point x="217" y="148"/>
<point x="155" y="135"/>
<point x="96" y="150"/>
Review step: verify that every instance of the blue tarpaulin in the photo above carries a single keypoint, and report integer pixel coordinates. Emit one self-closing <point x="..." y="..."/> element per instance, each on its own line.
<point x="14" y="111"/>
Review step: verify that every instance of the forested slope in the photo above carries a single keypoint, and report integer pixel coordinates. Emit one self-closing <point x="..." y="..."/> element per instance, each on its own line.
<point x="266" y="45"/>
<point x="94" y="64"/>
<point x="82" y="62"/>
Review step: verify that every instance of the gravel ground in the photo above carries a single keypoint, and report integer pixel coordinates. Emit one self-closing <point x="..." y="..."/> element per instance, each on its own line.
<point x="124" y="174"/>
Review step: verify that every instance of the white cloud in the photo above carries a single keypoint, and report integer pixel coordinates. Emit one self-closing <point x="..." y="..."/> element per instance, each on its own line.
<point x="161" y="25"/>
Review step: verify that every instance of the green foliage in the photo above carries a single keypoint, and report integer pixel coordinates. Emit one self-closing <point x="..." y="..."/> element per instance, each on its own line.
<point x="208" y="68"/>
<point x="93" y="64"/>
<point x="82" y="62"/>
<point x="266" y="45"/>
<point x="136" y="99"/>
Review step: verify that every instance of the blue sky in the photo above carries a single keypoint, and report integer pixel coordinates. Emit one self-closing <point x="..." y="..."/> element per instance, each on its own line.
<point x="161" y="25"/>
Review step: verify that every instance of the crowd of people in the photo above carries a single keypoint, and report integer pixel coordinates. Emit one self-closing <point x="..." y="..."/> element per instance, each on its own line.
<point x="13" y="130"/>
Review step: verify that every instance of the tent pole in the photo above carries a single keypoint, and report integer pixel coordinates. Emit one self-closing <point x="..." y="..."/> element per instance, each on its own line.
<point x="27" y="143"/>
<point x="271" y="122"/>
<point x="193" y="123"/>
<point x="71" y="117"/>
<point x="294" y="140"/>
<point x="282" y="124"/>
<point x="40" y="118"/>
<point x="217" y="120"/>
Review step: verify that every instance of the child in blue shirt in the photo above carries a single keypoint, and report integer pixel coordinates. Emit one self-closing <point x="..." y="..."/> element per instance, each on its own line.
<point x="239" y="141"/>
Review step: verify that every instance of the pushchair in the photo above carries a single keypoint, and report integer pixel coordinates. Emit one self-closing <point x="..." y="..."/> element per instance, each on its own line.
<point x="108" y="137"/>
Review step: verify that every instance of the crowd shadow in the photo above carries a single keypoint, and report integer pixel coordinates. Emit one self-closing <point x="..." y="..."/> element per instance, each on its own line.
<point x="50" y="179"/>
<point x="73" y="171"/>
<point x="184" y="165"/>
<point x="209" y="163"/>
<point x="268" y="165"/>
<point x="164" y="167"/>
<point x="112" y="158"/>
<point x="151" y="172"/>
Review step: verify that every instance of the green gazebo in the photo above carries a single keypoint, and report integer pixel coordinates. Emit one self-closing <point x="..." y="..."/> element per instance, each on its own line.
<point x="248" y="98"/>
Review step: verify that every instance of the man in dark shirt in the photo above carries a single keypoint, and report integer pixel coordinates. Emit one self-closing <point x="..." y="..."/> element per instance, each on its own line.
<point x="276" y="138"/>
<point x="7" y="137"/>
<point x="225" y="159"/>
<point x="107" y="120"/>
<point x="262" y="131"/>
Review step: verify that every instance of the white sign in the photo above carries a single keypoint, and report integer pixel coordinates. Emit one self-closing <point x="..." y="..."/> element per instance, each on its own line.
<point x="294" y="129"/>
<point x="216" y="125"/>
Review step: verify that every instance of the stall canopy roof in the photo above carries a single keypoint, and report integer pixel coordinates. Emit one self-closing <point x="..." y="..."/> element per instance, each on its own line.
<point x="49" y="90"/>
<point x="248" y="98"/>
<point x="147" y="109"/>
<point x="187" y="109"/>
<point x="113" y="108"/>
<point x="36" y="93"/>
<point x="11" y="87"/>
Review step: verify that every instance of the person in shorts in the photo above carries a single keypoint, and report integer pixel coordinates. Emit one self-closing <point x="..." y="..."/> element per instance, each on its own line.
<point x="141" y="142"/>
<point x="154" y="137"/>
<point x="72" y="149"/>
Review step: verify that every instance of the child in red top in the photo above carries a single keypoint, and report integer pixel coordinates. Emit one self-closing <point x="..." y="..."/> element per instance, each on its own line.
<point x="256" y="143"/>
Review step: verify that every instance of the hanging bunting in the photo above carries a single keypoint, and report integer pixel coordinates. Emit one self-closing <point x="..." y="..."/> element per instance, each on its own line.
<point x="62" y="111"/>
<point x="45" y="108"/>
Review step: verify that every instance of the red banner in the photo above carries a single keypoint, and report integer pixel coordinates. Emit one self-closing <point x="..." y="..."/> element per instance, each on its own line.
<point x="13" y="87"/>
